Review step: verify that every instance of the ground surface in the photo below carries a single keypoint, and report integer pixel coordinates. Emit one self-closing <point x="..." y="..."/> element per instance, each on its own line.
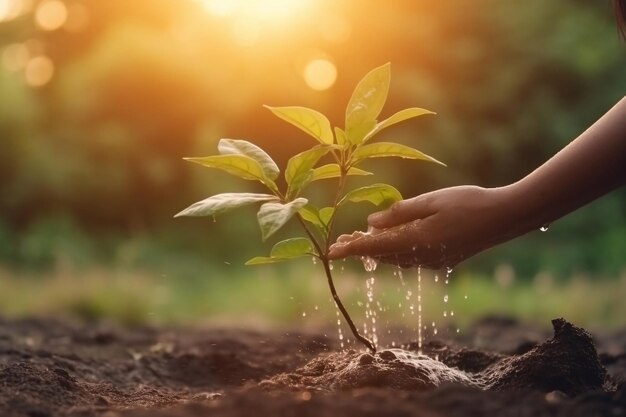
<point x="500" y="367"/>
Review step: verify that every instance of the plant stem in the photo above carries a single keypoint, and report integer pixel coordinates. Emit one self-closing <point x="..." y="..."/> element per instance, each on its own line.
<point x="329" y="276"/>
<point x="368" y="343"/>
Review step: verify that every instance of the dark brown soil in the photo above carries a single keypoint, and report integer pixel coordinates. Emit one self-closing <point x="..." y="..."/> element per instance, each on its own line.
<point x="62" y="368"/>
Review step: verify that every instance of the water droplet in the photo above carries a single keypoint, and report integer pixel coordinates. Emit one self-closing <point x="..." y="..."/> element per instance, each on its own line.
<point x="214" y="219"/>
<point x="435" y="331"/>
<point x="433" y="324"/>
<point x="316" y="308"/>
<point x="314" y="259"/>
<point x="465" y="296"/>
<point x="445" y="298"/>
<point x="304" y="314"/>
<point x="436" y="278"/>
<point x="338" y="322"/>
<point x="451" y="313"/>
<point x="458" y="330"/>
<point x="445" y="313"/>
<point x="369" y="264"/>
<point x="545" y="227"/>
<point x="448" y="270"/>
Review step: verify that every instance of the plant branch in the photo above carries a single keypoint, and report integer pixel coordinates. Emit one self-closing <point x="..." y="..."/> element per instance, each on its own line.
<point x="331" y="223"/>
<point x="368" y="343"/>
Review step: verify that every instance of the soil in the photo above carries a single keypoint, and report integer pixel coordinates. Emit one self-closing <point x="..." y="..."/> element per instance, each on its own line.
<point x="54" y="367"/>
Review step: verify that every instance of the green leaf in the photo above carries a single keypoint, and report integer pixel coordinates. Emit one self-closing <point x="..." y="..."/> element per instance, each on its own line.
<point x="292" y="248"/>
<point x="300" y="168"/>
<point x="310" y="121"/>
<point x="273" y="216"/>
<point x="378" y="194"/>
<point x="340" y="136"/>
<point x="326" y="214"/>
<point x="261" y="260"/>
<point x="400" y="116"/>
<point x="285" y="250"/>
<point x="239" y="165"/>
<point x="387" y="149"/>
<point x="333" y="171"/>
<point x="243" y="147"/>
<point x="221" y="203"/>
<point x="357" y="134"/>
<point x="368" y="98"/>
<point x="310" y="214"/>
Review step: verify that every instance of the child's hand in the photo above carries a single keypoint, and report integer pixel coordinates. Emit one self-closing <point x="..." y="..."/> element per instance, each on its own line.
<point x="434" y="230"/>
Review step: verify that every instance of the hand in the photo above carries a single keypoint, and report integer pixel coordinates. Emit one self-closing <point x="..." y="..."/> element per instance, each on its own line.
<point x="435" y="230"/>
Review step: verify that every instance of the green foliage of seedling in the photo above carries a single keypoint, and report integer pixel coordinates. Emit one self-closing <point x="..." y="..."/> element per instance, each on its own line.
<point x="347" y="147"/>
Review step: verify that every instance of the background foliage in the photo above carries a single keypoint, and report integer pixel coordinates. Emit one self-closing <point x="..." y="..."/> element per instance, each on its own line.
<point x="90" y="155"/>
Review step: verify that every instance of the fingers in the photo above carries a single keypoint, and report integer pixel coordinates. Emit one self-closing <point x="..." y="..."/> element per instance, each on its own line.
<point x="402" y="212"/>
<point x="384" y="243"/>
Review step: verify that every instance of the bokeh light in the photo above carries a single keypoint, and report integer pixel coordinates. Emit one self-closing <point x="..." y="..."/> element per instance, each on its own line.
<point x="15" y="56"/>
<point x="51" y="14"/>
<point x="39" y="71"/>
<point x="320" y="74"/>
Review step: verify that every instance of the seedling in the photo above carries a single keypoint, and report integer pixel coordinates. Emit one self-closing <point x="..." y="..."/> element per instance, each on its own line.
<point x="348" y="148"/>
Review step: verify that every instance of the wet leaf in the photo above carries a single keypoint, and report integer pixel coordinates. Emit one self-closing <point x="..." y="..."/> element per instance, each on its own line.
<point x="400" y="116"/>
<point x="333" y="171"/>
<point x="368" y="98"/>
<point x="238" y="165"/>
<point x="222" y="203"/>
<point x="382" y="195"/>
<point x="308" y="120"/>
<point x="243" y="147"/>
<point x="389" y="149"/>
<point x="273" y="216"/>
<point x="300" y="168"/>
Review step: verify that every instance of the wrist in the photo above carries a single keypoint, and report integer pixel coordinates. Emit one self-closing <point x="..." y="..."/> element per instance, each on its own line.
<point x="521" y="208"/>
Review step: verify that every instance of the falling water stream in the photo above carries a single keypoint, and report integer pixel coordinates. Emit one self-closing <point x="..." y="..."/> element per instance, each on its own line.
<point x="411" y="305"/>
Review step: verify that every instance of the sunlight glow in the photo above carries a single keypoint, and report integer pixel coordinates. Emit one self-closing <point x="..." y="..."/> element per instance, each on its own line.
<point x="274" y="11"/>
<point x="11" y="9"/>
<point x="320" y="74"/>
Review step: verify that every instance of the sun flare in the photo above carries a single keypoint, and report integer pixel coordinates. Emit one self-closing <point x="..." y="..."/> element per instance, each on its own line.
<point x="271" y="11"/>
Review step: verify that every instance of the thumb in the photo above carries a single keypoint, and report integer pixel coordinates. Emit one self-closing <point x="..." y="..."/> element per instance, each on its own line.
<point x="402" y="212"/>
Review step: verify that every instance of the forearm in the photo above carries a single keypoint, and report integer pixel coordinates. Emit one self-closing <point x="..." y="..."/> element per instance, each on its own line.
<point x="587" y="168"/>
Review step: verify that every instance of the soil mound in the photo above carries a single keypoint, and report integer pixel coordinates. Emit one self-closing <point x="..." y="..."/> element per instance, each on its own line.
<point x="394" y="368"/>
<point x="567" y="363"/>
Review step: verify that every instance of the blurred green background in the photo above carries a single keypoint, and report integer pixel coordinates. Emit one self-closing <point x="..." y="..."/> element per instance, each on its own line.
<point x="100" y="100"/>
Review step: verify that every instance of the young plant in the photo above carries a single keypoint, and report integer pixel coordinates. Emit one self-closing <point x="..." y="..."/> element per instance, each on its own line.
<point x="348" y="147"/>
